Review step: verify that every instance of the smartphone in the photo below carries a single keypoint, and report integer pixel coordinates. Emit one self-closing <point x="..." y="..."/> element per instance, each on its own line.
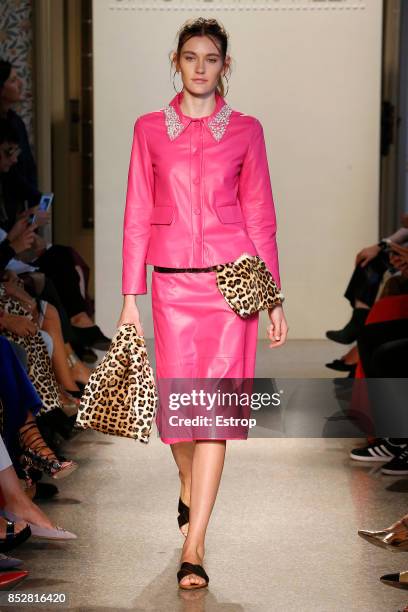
<point x="45" y="203"/>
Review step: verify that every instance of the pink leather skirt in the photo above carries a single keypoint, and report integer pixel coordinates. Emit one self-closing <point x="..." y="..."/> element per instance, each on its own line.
<point x="197" y="334"/>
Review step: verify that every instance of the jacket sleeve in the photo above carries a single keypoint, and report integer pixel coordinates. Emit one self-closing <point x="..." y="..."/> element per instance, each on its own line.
<point x="138" y="209"/>
<point x="6" y="253"/>
<point x="255" y="196"/>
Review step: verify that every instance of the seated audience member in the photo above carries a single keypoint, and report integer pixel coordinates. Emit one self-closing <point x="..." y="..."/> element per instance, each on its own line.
<point x="395" y="284"/>
<point x="21" y="183"/>
<point x="383" y="352"/>
<point x="371" y="263"/>
<point x="59" y="263"/>
<point x="20" y="403"/>
<point x="16" y="504"/>
<point x="47" y="319"/>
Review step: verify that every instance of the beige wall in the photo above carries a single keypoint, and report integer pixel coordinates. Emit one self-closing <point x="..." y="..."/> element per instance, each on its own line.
<point x="313" y="79"/>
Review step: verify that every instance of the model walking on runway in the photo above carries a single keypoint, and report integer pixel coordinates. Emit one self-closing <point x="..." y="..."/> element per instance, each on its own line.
<point x="198" y="195"/>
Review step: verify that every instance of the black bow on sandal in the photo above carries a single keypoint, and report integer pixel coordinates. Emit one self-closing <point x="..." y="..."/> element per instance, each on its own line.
<point x="184" y="514"/>
<point x="190" y="568"/>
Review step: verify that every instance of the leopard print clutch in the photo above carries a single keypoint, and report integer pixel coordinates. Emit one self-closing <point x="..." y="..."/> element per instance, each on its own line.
<point x="247" y="285"/>
<point x="121" y="398"/>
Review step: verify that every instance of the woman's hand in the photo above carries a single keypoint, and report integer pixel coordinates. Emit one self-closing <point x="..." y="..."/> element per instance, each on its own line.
<point x="398" y="249"/>
<point x="14" y="290"/>
<point x="17" y="229"/>
<point x="278" y="329"/>
<point x="130" y="314"/>
<point x="399" y="258"/>
<point x="21" y="326"/>
<point x="11" y="277"/>
<point x="42" y="217"/>
<point x="25" y="240"/>
<point x="366" y="255"/>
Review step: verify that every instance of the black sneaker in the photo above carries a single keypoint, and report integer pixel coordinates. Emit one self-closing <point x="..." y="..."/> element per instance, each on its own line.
<point x="398" y="466"/>
<point x="380" y="450"/>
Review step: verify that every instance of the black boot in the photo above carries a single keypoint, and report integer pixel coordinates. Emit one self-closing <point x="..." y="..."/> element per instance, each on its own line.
<point x="92" y="337"/>
<point x="351" y="331"/>
<point x="52" y="422"/>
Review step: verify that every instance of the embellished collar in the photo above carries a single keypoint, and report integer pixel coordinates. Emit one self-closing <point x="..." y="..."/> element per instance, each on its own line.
<point x="176" y="121"/>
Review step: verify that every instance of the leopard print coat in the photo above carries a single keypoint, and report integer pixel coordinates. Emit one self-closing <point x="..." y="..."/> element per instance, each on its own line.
<point x="40" y="369"/>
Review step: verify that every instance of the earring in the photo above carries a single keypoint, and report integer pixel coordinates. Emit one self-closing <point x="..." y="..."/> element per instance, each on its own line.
<point x="224" y="76"/>
<point x="174" y="83"/>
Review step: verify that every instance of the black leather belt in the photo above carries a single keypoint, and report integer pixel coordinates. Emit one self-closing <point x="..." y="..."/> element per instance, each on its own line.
<point x="161" y="269"/>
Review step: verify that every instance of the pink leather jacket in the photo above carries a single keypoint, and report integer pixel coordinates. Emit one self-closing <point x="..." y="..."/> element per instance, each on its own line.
<point x="198" y="193"/>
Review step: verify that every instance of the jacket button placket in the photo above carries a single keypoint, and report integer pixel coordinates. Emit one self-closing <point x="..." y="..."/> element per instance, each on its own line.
<point x="196" y="155"/>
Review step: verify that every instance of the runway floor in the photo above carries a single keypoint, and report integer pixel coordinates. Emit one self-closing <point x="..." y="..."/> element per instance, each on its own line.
<point x="282" y="536"/>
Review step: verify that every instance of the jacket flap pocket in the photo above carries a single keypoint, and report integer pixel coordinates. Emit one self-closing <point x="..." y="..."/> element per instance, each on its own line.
<point x="162" y="214"/>
<point x="229" y="213"/>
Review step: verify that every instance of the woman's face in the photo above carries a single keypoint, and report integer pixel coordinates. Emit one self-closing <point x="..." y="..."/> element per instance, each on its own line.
<point x="201" y="65"/>
<point x="9" y="152"/>
<point x="12" y="88"/>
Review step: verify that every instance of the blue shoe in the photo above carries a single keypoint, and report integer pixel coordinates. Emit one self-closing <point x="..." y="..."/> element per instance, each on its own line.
<point x="7" y="563"/>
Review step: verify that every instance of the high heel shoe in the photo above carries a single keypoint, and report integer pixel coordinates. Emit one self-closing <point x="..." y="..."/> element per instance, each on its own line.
<point x="45" y="533"/>
<point x="399" y="580"/>
<point x="7" y="563"/>
<point x="76" y="394"/>
<point x="393" y="538"/>
<point x="186" y="569"/>
<point x="351" y="331"/>
<point x="184" y="514"/>
<point x="13" y="538"/>
<point x="341" y="366"/>
<point x="56" y="467"/>
<point x="9" y="579"/>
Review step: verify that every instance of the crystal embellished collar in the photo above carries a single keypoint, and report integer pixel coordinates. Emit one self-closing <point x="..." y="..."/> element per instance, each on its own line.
<point x="217" y="124"/>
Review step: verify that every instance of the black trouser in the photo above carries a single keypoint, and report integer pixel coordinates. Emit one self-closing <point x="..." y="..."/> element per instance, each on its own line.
<point x="364" y="282"/>
<point x="390" y="360"/>
<point x="50" y="294"/>
<point x="375" y="335"/>
<point x="57" y="264"/>
<point x="387" y="384"/>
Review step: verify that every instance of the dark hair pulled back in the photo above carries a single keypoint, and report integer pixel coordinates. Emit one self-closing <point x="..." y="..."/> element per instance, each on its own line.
<point x="202" y="26"/>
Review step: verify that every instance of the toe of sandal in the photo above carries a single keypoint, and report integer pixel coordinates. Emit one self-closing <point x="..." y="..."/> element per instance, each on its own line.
<point x="187" y="569"/>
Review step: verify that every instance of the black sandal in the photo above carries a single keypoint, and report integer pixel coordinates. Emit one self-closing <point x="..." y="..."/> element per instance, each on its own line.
<point x="13" y="538"/>
<point x="184" y="514"/>
<point x="191" y="568"/>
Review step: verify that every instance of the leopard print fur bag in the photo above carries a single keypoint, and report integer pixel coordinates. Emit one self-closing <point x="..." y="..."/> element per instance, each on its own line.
<point x="247" y="285"/>
<point x="120" y="397"/>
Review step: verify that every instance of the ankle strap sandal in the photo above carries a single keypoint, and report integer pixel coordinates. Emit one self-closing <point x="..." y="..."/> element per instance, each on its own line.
<point x="184" y="514"/>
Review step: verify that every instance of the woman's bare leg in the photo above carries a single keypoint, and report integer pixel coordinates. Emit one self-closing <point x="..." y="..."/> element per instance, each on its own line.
<point x="183" y="455"/>
<point x="52" y="325"/>
<point x="82" y="319"/>
<point x="360" y="304"/>
<point x="79" y="371"/>
<point x="351" y="356"/>
<point x="207" y="466"/>
<point x="17" y="501"/>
